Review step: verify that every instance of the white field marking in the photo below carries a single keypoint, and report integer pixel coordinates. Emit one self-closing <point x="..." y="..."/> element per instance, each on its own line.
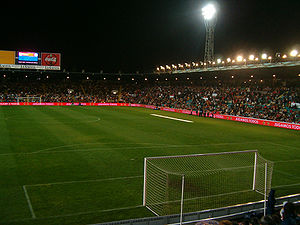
<point x="84" y="181"/>
<point x="59" y="122"/>
<point x="29" y="202"/>
<point x="287" y="174"/>
<point x="286" y="185"/>
<point x="285" y="161"/>
<point x="94" y="211"/>
<point x="286" y="146"/>
<point x="46" y="151"/>
<point x="78" y="213"/>
<point x="172" y="118"/>
<point x="92" y="143"/>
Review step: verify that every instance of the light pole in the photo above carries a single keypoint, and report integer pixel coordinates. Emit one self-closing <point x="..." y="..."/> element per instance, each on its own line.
<point x="210" y="18"/>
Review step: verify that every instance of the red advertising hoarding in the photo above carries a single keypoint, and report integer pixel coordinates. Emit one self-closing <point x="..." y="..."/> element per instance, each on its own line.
<point x="50" y="59"/>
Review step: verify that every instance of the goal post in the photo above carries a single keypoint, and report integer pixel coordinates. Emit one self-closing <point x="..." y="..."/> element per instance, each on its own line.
<point x="29" y="99"/>
<point x="190" y="183"/>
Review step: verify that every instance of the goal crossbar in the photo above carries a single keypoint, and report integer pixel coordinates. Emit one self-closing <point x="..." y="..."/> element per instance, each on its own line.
<point x="205" y="154"/>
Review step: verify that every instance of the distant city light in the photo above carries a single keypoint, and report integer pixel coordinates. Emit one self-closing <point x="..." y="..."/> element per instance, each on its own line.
<point x="219" y="61"/>
<point x="274" y="75"/>
<point x="284" y="56"/>
<point x="209" y="12"/>
<point x="228" y="60"/>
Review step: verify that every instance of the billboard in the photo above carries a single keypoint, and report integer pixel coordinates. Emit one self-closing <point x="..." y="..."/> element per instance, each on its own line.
<point x="7" y="57"/>
<point x="30" y="60"/>
<point x="50" y="59"/>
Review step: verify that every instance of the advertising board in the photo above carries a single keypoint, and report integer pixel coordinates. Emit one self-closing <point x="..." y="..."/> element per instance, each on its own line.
<point x="50" y="59"/>
<point x="7" y="57"/>
<point x="30" y="60"/>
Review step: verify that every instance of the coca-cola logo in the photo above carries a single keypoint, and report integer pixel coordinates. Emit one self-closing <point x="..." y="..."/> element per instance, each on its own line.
<point x="51" y="59"/>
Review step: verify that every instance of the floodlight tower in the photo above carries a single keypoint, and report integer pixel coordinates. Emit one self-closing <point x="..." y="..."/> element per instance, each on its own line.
<point x="209" y="13"/>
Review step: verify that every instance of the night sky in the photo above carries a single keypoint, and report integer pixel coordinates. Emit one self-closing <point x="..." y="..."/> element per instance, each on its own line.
<point x="132" y="36"/>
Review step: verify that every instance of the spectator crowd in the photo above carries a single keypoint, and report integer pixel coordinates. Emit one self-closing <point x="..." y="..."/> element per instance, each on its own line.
<point x="272" y="103"/>
<point x="288" y="215"/>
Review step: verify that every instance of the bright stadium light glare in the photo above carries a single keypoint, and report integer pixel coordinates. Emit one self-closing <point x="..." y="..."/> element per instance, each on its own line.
<point x="239" y="58"/>
<point x="209" y="11"/>
<point x="251" y="57"/>
<point x="264" y="56"/>
<point x="294" y="53"/>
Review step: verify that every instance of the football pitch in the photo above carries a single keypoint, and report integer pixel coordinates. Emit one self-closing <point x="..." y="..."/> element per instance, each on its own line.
<point x="84" y="165"/>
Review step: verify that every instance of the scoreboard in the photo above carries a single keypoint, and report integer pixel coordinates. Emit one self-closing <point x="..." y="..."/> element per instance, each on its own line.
<point x="30" y="60"/>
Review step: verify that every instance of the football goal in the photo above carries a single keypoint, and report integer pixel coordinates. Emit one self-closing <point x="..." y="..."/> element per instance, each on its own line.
<point x="191" y="183"/>
<point x="29" y="99"/>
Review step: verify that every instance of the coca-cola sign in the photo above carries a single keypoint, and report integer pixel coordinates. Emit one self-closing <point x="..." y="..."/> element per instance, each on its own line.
<point x="50" y="59"/>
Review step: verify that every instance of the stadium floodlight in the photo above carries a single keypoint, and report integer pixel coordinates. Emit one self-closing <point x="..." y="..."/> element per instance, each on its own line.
<point x="209" y="13"/>
<point x="239" y="58"/>
<point x="264" y="56"/>
<point x="294" y="53"/>
<point x="251" y="57"/>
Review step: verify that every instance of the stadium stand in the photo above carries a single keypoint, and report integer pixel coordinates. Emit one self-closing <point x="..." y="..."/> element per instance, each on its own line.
<point x="261" y="100"/>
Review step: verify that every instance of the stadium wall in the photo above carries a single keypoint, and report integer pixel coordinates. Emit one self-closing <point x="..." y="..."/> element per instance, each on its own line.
<point x="270" y="123"/>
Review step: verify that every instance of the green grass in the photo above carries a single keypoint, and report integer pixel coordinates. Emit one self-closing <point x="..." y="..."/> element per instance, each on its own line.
<point x="65" y="158"/>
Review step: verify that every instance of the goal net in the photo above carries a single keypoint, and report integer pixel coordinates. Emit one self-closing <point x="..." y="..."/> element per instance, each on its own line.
<point x="190" y="183"/>
<point x="29" y="99"/>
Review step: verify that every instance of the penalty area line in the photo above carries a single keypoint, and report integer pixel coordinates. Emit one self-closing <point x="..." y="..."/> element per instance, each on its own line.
<point x="29" y="202"/>
<point x="172" y="118"/>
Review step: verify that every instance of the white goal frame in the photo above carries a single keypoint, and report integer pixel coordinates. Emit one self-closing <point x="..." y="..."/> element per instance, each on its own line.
<point x="29" y="99"/>
<point x="256" y="154"/>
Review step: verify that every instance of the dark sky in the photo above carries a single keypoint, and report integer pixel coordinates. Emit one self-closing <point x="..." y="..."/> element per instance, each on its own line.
<point x="132" y="36"/>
